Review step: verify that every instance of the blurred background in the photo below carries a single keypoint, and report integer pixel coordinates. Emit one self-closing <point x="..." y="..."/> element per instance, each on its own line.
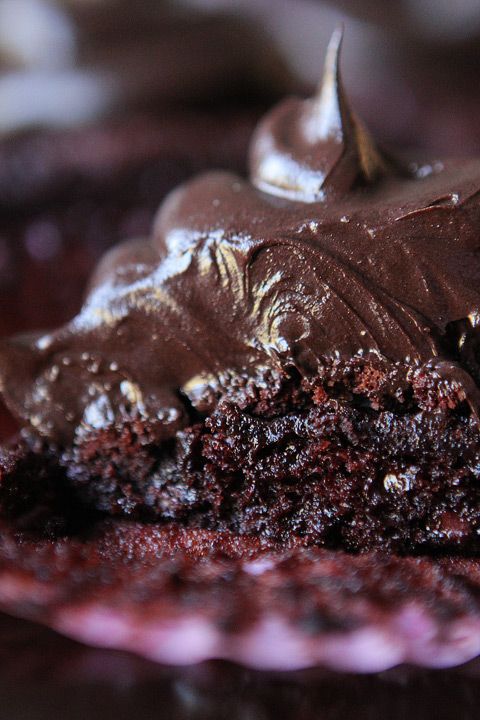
<point x="411" y="66"/>
<point x="105" y="106"/>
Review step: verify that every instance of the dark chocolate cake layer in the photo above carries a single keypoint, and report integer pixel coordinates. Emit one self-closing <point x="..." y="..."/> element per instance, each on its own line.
<point x="317" y="463"/>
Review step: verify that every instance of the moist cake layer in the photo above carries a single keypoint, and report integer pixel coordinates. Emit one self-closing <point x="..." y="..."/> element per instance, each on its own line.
<point x="366" y="456"/>
<point x="342" y="462"/>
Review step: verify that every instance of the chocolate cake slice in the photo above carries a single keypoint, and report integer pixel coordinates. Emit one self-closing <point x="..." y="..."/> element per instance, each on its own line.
<point x="285" y="373"/>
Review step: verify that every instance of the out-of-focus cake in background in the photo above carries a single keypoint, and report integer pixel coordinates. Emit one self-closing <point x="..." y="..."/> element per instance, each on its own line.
<point x="70" y="61"/>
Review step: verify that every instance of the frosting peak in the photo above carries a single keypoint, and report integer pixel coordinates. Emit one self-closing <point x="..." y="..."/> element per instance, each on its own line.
<point x="308" y="150"/>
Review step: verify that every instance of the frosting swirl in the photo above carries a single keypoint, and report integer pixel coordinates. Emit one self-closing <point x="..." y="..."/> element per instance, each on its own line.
<point x="310" y="150"/>
<point x="346" y="258"/>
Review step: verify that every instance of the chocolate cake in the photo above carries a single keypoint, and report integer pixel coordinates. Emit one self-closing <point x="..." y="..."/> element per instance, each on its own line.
<point x="259" y="437"/>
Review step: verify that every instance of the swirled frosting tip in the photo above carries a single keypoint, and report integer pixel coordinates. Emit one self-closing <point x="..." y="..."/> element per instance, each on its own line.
<point x="310" y="150"/>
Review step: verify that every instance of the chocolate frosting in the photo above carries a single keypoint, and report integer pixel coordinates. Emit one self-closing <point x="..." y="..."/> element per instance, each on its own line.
<point x="328" y="252"/>
<point x="310" y="150"/>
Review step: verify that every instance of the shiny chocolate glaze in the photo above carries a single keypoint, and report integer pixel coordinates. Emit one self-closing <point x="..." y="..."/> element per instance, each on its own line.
<point x="328" y="251"/>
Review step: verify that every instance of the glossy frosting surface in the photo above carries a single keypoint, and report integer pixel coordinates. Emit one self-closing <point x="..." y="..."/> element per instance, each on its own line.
<point x="328" y="251"/>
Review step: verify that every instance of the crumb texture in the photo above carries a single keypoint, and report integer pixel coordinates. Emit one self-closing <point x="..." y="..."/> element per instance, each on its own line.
<point x="363" y="456"/>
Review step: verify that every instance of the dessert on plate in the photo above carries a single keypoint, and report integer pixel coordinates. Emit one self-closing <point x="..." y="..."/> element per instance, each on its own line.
<point x="258" y="439"/>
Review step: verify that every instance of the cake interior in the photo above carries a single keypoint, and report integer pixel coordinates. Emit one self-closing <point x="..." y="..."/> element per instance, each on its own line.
<point x="364" y="455"/>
